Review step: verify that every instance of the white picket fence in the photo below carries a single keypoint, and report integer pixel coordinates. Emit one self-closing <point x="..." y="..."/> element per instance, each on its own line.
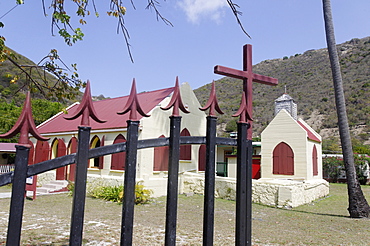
<point x="6" y="168"/>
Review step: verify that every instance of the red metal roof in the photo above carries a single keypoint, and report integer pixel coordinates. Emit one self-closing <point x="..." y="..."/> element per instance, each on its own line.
<point x="310" y="134"/>
<point x="106" y="110"/>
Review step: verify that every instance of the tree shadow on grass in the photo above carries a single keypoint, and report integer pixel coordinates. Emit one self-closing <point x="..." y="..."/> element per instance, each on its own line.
<point x="322" y="214"/>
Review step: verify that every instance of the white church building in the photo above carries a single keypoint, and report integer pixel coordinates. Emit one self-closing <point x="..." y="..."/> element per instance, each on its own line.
<point x="152" y="163"/>
<point x="289" y="154"/>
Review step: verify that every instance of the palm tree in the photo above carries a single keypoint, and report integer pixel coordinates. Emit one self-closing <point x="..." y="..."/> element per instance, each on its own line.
<point x="358" y="206"/>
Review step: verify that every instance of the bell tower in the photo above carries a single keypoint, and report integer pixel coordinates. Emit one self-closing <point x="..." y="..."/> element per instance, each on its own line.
<point x="286" y="102"/>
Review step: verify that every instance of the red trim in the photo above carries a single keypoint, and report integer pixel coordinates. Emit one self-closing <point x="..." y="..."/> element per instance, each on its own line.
<point x="310" y="134"/>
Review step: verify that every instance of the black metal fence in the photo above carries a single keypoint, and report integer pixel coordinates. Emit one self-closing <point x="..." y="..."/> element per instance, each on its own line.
<point x="84" y="153"/>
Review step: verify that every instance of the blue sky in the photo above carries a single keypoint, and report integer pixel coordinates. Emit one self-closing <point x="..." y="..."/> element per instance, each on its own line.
<point x="205" y="34"/>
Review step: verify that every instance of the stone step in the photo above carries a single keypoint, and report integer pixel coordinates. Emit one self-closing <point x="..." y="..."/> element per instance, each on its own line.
<point x="42" y="190"/>
<point x="59" y="182"/>
<point x="53" y="186"/>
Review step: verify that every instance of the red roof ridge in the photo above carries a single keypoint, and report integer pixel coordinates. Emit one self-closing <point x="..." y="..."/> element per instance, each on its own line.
<point x="139" y="93"/>
<point x="107" y="110"/>
<point x="57" y="114"/>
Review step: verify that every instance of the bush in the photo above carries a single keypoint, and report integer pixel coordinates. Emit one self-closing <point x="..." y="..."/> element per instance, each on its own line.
<point x="334" y="166"/>
<point x="108" y="193"/>
<point x="362" y="166"/>
<point x="116" y="193"/>
<point x="70" y="187"/>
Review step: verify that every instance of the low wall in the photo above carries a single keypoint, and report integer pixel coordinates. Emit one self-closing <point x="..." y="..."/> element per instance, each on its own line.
<point x="272" y="192"/>
<point x="45" y="178"/>
<point x="288" y="193"/>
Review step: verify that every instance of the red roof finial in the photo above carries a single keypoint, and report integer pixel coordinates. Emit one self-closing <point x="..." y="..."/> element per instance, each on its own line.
<point x="243" y="110"/>
<point x="86" y="109"/>
<point x="176" y="101"/>
<point x="24" y="125"/>
<point x="212" y="103"/>
<point x="133" y="105"/>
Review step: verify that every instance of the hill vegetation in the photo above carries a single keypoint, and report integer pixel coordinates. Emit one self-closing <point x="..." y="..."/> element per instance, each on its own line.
<point x="13" y="86"/>
<point x="307" y="78"/>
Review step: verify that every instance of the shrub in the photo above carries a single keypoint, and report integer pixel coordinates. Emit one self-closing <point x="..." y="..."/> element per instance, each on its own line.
<point x="362" y="166"/>
<point x="108" y="193"/>
<point x="116" y="193"/>
<point x="70" y="187"/>
<point x="334" y="166"/>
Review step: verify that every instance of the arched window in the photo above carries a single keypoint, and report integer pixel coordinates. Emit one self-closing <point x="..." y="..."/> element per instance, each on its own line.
<point x="283" y="159"/>
<point x="185" y="150"/>
<point x="54" y="148"/>
<point x="161" y="157"/>
<point x="59" y="149"/>
<point x="314" y="161"/>
<point x="202" y="158"/>
<point x="119" y="159"/>
<point x="98" y="161"/>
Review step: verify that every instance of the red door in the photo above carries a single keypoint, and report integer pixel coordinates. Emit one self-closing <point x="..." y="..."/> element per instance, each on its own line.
<point x="42" y="151"/>
<point x="161" y="158"/>
<point x="185" y="150"/>
<point x="118" y="160"/>
<point x="283" y="159"/>
<point x="202" y="158"/>
<point x="72" y="148"/>
<point x="61" y="172"/>
<point x="101" y="158"/>
<point x="256" y="167"/>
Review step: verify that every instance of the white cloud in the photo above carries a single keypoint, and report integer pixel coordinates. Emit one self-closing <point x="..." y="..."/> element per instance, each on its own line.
<point x="197" y="9"/>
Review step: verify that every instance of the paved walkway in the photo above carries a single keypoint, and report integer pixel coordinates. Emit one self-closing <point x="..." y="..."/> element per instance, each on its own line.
<point x="8" y="194"/>
<point x="5" y="194"/>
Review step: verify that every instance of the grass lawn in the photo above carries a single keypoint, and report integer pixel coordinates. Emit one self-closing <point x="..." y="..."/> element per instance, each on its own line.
<point x="6" y="188"/>
<point x="323" y="222"/>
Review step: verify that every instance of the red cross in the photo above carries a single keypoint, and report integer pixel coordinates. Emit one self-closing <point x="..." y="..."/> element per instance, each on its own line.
<point x="248" y="77"/>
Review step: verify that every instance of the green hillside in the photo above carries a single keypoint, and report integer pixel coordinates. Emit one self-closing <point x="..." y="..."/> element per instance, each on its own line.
<point x="307" y="78"/>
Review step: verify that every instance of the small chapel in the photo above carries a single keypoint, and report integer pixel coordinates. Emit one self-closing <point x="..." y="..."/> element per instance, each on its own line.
<point x="290" y="148"/>
<point x="291" y="159"/>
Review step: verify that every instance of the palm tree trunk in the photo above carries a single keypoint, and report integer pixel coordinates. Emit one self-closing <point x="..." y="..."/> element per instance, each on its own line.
<point x="358" y="206"/>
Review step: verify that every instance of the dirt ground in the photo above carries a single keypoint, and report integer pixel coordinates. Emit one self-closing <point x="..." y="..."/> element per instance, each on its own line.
<point x="46" y="221"/>
<point x="323" y="222"/>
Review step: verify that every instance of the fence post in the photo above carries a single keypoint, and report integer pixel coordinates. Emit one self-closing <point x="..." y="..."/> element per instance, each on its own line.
<point x="243" y="187"/>
<point x="172" y="183"/>
<point x="209" y="189"/>
<point x="79" y="193"/>
<point x="17" y="198"/>
<point x="129" y="183"/>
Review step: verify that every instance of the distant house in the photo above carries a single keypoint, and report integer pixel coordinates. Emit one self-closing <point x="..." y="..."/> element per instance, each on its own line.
<point x="152" y="163"/>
